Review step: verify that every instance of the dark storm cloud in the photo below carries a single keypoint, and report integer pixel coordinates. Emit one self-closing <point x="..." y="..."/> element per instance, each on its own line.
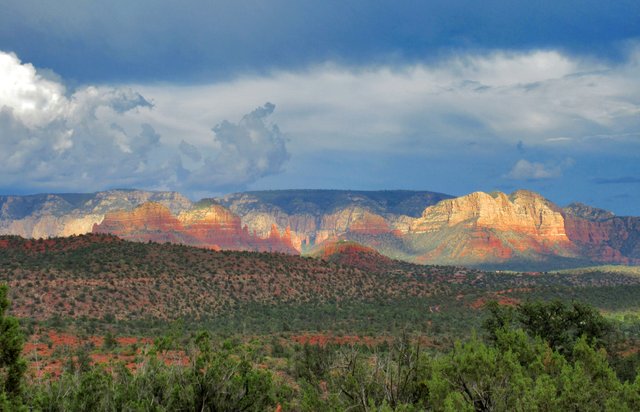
<point x="145" y="39"/>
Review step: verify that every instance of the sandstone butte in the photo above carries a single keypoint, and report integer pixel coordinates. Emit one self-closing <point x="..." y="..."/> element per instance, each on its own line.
<point x="500" y="227"/>
<point x="524" y="212"/>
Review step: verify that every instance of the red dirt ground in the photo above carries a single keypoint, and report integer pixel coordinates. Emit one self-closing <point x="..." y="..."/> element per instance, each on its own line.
<point x="47" y="352"/>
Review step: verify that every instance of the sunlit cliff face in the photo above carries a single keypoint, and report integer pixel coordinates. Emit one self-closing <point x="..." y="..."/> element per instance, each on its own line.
<point x="475" y="229"/>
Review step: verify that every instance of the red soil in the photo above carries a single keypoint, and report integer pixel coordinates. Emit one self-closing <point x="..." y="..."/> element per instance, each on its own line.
<point x="50" y="357"/>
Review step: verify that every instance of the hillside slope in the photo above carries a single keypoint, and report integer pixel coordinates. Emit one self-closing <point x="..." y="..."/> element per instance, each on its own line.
<point x="92" y="275"/>
<point x="100" y="281"/>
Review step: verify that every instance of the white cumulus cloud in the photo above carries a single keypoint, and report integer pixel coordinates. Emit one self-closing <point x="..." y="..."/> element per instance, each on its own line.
<point x="526" y="170"/>
<point x="53" y="138"/>
<point x="97" y="137"/>
<point x="248" y="150"/>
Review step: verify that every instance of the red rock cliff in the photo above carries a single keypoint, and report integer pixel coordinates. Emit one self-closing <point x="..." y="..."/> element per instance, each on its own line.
<point x="213" y="227"/>
<point x="483" y="227"/>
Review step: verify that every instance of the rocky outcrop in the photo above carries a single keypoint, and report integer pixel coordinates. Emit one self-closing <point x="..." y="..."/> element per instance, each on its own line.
<point x="149" y="222"/>
<point x="603" y="237"/>
<point x="481" y="227"/>
<point x="50" y="215"/>
<point x="315" y="216"/>
<point x="51" y="225"/>
<point x="301" y="227"/>
<point x="211" y="226"/>
<point x="215" y="226"/>
<point x="523" y="212"/>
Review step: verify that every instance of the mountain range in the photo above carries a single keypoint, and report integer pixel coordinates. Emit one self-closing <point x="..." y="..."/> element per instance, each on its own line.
<point x="521" y="230"/>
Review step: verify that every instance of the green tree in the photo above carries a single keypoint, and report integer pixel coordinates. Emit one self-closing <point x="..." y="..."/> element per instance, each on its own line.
<point x="500" y="318"/>
<point x="225" y="379"/>
<point x="589" y="384"/>
<point x="109" y="341"/>
<point x="556" y="323"/>
<point x="478" y="377"/>
<point x="12" y="366"/>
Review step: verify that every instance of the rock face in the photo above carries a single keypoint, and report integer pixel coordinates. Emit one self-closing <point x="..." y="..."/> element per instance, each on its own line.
<point x="49" y="215"/>
<point x="521" y="230"/>
<point x="211" y="226"/>
<point x="603" y="237"/>
<point x="315" y="216"/>
<point x="475" y="229"/>
<point x="215" y="226"/>
<point x="482" y="227"/>
<point x="523" y="212"/>
<point x="148" y="222"/>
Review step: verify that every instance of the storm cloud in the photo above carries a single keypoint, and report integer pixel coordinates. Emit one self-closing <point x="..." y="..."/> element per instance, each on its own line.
<point x="247" y="151"/>
<point x="163" y="40"/>
<point x="96" y="137"/>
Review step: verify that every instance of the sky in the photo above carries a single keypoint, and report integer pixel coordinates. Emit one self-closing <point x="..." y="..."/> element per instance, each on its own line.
<point x="212" y="97"/>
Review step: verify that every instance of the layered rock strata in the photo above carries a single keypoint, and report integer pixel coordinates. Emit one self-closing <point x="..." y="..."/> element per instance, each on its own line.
<point x="212" y="227"/>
